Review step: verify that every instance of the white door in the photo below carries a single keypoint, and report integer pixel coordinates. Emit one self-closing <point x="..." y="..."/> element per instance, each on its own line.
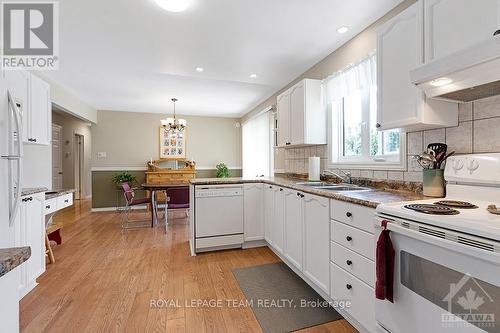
<point x="399" y="50"/>
<point x="277" y="228"/>
<point x="452" y="25"/>
<point x="317" y="240"/>
<point x="283" y="106"/>
<point x="40" y="111"/>
<point x="297" y="113"/>
<point x="253" y="212"/>
<point x="57" y="168"/>
<point x="268" y="213"/>
<point x="293" y="227"/>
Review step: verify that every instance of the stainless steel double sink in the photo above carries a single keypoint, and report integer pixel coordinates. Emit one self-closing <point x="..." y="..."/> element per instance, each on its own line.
<point x="333" y="187"/>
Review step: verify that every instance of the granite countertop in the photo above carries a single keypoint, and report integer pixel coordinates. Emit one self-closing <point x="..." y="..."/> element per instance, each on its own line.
<point x="33" y="190"/>
<point x="369" y="198"/>
<point x="13" y="257"/>
<point x="57" y="193"/>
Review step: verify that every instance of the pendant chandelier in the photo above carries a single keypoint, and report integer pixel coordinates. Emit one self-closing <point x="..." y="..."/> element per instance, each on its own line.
<point x="174" y="126"/>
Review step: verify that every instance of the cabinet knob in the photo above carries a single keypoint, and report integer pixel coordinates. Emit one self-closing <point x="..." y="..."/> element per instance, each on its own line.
<point x="281" y="189"/>
<point x="349" y="238"/>
<point x="302" y="195"/>
<point x="348" y="262"/>
<point x="348" y="286"/>
<point x="270" y="187"/>
<point x="67" y="200"/>
<point x="378" y="125"/>
<point x="348" y="214"/>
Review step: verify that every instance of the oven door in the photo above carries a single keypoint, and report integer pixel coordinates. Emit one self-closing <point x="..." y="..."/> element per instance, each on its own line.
<point x="440" y="285"/>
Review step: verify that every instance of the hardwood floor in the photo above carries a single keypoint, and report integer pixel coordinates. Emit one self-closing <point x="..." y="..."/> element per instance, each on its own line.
<point x="105" y="279"/>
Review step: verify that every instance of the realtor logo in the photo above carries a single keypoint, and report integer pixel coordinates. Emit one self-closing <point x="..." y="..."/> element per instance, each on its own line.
<point x="30" y="35"/>
<point x="469" y="303"/>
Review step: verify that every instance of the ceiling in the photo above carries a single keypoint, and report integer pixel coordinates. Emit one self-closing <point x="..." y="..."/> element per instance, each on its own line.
<point x="130" y="55"/>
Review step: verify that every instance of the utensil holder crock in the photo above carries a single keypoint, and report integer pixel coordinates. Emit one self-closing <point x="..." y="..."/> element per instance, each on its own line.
<point x="434" y="183"/>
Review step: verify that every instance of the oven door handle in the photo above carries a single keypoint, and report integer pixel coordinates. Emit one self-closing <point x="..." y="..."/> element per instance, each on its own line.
<point x="445" y="243"/>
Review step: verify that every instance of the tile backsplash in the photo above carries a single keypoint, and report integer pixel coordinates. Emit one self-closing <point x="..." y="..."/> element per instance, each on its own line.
<point x="478" y="131"/>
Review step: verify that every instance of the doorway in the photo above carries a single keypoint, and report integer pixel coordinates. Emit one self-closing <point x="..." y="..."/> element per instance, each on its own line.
<point x="57" y="164"/>
<point x="78" y="153"/>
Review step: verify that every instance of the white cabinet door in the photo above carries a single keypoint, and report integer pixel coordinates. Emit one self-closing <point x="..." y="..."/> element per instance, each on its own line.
<point x="452" y="25"/>
<point x="30" y="231"/>
<point x="293" y="227"/>
<point x="18" y="82"/>
<point x="40" y="111"/>
<point x="297" y="113"/>
<point x="399" y="49"/>
<point x="268" y="213"/>
<point x="317" y="240"/>
<point x="253" y="212"/>
<point x="277" y="228"/>
<point x="283" y="106"/>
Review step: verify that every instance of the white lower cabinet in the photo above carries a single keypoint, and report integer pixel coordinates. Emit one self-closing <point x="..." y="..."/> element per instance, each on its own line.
<point x="253" y="212"/>
<point x="268" y="213"/>
<point x="352" y="266"/>
<point x="293" y="227"/>
<point x="316" y="240"/>
<point x="30" y="231"/>
<point x="277" y="226"/>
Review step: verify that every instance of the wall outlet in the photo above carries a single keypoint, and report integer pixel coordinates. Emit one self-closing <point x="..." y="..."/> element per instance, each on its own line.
<point x="102" y="154"/>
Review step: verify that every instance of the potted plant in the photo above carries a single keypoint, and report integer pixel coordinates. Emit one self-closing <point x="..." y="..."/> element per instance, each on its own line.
<point x="222" y="170"/>
<point x="123" y="177"/>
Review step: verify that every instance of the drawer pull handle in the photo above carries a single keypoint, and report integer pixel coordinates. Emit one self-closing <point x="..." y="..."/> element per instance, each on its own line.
<point x="47" y="207"/>
<point x="348" y="286"/>
<point x="67" y="200"/>
<point x="281" y="189"/>
<point x="348" y="238"/>
<point x="348" y="214"/>
<point x="348" y="262"/>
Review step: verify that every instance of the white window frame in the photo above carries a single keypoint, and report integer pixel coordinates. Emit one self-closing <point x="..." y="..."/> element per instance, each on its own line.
<point x="269" y="149"/>
<point x="336" y="159"/>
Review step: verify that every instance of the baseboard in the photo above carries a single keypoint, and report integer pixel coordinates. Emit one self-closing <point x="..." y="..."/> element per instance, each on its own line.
<point x="110" y="209"/>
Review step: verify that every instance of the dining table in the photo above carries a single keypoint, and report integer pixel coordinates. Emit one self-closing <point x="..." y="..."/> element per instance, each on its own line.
<point x="154" y="189"/>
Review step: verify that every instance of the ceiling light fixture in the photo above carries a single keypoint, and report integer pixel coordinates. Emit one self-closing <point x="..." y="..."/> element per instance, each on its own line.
<point x="253" y="76"/>
<point x="174" y="127"/>
<point x="342" y="30"/>
<point x="173" y="5"/>
<point x="442" y="81"/>
<point x="199" y="69"/>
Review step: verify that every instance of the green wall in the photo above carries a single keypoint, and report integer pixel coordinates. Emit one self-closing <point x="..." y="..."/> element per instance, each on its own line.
<point x="106" y="194"/>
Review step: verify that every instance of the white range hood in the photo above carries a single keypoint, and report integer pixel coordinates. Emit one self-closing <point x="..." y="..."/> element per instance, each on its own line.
<point x="464" y="76"/>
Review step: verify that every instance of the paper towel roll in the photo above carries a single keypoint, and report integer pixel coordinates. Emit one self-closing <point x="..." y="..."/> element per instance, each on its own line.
<point x="314" y="166"/>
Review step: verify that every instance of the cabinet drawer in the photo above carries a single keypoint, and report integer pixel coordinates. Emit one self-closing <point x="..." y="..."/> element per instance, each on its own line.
<point x="358" y="216"/>
<point x="64" y="201"/>
<point x="354" y="239"/>
<point x="344" y="286"/>
<point x="50" y="206"/>
<point x="350" y="261"/>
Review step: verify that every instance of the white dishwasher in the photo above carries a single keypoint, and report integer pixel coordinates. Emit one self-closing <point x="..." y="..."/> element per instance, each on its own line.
<point x="218" y="217"/>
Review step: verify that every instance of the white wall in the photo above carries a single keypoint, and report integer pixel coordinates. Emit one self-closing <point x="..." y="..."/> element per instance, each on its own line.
<point x="130" y="139"/>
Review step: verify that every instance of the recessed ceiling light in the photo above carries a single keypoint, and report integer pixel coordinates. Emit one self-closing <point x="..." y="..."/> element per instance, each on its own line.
<point x="199" y="69"/>
<point x="442" y="81"/>
<point x="173" y="5"/>
<point x="342" y="30"/>
<point x="253" y="76"/>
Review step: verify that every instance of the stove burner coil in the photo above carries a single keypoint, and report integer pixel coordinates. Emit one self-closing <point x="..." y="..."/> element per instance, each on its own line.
<point x="432" y="209"/>
<point x="456" y="204"/>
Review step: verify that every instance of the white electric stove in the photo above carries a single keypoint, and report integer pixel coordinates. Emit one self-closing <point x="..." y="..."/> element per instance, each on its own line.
<point x="447" y="265"/>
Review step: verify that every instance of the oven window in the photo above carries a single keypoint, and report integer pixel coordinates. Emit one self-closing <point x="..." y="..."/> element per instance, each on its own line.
<point x="473" y="300"/>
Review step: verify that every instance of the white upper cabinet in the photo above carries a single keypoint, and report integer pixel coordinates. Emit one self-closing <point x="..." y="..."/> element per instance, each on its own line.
<point x="283" y="105"/>
<point x="301" y="116"/>
<point x="40" y="112"/>
<point x="253" y="211"/>
<point x="400" y="48"/>
<point x="452" y="25"/>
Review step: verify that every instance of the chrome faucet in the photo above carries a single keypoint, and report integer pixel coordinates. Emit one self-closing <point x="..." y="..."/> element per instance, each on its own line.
<point x="345" y="177"/>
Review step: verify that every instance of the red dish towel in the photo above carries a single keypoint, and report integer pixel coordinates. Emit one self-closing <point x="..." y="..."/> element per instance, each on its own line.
<point x="385" y="266"/>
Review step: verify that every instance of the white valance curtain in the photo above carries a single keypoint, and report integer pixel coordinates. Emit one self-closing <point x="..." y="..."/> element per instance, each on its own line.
<point x="256" y="145"/>
<point x="357" y="76"/>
